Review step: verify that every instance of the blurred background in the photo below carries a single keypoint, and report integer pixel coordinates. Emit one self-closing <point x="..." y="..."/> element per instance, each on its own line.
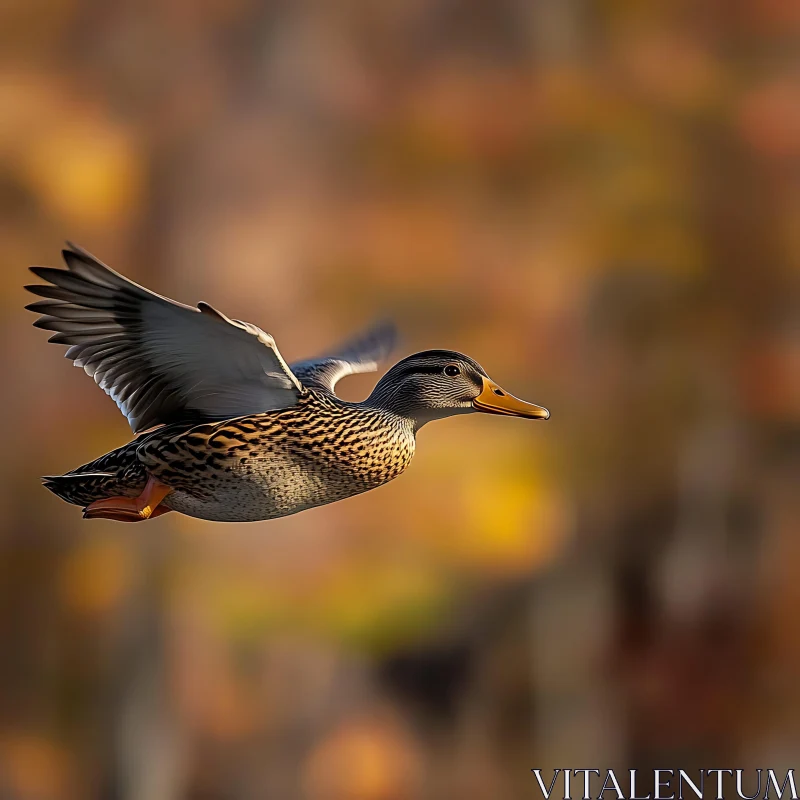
<point x="600" y="202"/>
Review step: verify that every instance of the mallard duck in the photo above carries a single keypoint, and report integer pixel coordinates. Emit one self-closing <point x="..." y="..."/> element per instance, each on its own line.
<point x="227" y="430"/>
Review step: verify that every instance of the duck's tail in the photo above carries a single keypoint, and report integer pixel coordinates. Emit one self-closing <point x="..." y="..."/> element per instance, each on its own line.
<point x="82" y="488"/>
<point x="118" y="473"/>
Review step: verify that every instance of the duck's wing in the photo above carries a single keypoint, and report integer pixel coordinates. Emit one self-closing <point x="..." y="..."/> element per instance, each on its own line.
<point x="160" y="361"/>
<point x="362" y="354"/>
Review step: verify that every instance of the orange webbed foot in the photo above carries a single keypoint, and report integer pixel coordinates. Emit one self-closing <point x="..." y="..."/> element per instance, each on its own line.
<point x="131" y="509"/>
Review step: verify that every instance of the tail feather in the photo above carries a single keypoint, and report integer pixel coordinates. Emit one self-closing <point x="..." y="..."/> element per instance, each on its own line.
<point x="82" y="488"/>
<point x="115" y="474"/>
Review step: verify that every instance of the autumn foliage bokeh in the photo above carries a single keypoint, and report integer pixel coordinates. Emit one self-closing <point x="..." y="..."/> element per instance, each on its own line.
<point x="600" y="202"/>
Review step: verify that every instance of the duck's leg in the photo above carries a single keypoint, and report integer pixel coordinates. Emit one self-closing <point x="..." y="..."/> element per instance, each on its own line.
<point x="131" y="509"/>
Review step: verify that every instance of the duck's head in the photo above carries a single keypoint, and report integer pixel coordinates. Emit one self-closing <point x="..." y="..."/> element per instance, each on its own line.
<point x="440" y="383"/>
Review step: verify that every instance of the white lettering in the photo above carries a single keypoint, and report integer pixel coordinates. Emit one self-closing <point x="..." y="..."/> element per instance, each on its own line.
<point x="586" y="778"/>
<point x="546" y="792"/>
<point x="682" y="776"/>
<point x="789" y="779"/>
<point x="719" y="772"/>
<point x="615" y="786"/>
<point x="660" y="785"/>
<point x="739" y="786"/>
<point x="633" y="788"/>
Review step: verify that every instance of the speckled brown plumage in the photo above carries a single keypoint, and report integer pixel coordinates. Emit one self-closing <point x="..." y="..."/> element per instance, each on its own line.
<point x="256" y="467"/>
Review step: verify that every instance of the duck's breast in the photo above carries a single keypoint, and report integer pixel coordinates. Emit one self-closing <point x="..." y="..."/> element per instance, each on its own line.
<point x="278" y="463"/>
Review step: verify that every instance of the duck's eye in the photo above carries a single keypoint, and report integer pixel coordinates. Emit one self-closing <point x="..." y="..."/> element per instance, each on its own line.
<point x="452" y="370"/>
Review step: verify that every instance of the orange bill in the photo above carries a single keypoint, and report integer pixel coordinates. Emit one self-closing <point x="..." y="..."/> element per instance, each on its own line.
<point x="494" y="400"/>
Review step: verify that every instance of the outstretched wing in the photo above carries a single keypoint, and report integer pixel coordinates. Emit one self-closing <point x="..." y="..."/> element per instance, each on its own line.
<point x="160" y="361"/>
<point x="362" y="354"/>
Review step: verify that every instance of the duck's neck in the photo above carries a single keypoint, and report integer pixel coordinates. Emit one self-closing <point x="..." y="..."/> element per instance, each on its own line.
<point x="397" y="400"/>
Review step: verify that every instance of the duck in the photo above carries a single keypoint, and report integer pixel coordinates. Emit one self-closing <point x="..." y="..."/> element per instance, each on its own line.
<point x="225" y="429"/>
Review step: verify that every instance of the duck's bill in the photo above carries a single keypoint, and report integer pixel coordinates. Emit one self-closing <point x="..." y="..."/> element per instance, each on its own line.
<point x="494" y="400"/>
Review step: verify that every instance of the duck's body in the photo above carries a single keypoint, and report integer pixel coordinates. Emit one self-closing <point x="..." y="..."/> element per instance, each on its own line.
<point x="240" y="435"/>
<point x="257" y="467"/>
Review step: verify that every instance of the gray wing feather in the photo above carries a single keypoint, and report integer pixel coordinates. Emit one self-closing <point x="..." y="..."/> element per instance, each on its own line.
<point x="362" y="354"/>
<point x="160" y="361"/>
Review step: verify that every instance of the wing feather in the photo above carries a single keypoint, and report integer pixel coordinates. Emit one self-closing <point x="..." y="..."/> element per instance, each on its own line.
<point x="161" y="361"/>
<point x="361" y="354"/>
